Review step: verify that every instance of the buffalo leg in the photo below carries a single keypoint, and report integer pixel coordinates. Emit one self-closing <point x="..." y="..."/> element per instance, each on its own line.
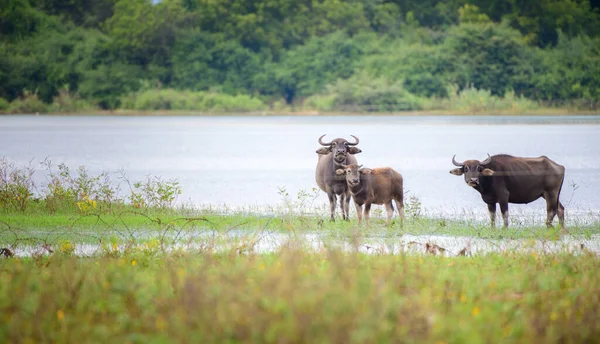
<point x="492" y="210"/>
<point x="550" y="213"/>
<point x="367" y="213"/>
<point x="332" y="201"/>
<point x="390" y="211"/>
<point x="561" y="215"/>
<point x="552" y="207"/>
<point x="504" y="211"/>
<point x="358" y="212"/>
<point x="400" y="206"/>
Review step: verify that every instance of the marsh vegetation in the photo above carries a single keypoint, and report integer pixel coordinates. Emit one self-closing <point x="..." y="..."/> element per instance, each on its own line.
<point x="94" y="261"/>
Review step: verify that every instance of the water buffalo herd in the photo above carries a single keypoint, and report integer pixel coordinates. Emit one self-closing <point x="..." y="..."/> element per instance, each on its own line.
<point x="499" y="179"/>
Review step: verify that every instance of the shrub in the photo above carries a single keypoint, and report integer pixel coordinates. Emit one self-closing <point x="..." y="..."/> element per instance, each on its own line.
<point x="472" y="99"/>
<point x="170" y="99"/>
<point x="16" y="185"/>
<point x="4" y="105"/>
<point x="153" y="192"/>
<point x="362" y="92"/>
<point x="82" y="191"/>
<point x="29" y="103"/>
<point x="65" y="101"/>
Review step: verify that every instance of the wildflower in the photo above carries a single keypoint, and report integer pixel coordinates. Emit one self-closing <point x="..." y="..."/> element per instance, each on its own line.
<point x="133" y="262"/>
<point x="60" y="314"/>
<point x="475" y="311"/>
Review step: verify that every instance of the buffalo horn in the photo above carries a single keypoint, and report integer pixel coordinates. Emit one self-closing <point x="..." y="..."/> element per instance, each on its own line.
<point x="323" y="143"/>
<point x="457" y="163"/>
<point x="354" y="144"/>
<point x="487" y="161"/>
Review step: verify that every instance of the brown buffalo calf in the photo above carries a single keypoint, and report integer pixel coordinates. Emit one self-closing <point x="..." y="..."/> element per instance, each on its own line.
<point x="374" y="186"/>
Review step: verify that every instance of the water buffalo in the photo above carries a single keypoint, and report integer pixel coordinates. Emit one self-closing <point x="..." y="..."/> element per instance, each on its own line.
<point x="374" y="186"/>
<point x="331" y="156"/>
<point x="507" y="179"/>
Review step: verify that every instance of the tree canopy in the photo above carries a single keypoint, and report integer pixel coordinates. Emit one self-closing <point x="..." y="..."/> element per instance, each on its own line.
<point x="290" y="50"/>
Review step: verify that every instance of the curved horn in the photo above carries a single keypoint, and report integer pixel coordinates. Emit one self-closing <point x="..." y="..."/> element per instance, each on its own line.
<point x="323" y="143"/>
<point x="486" y="161"/>
<point x="457" y="163"/>
<point x="354" y="144"/>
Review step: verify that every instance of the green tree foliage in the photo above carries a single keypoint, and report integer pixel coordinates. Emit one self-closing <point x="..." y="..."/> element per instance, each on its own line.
<point x="80" y="12"/>
<point x="488" y="56"/>
<point x="103" y="50"/>
<point x="569" y="71"/>
<point x="306" y="69"/>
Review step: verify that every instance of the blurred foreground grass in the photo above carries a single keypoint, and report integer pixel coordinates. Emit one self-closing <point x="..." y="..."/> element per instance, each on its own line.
<point x="294" y="296"/>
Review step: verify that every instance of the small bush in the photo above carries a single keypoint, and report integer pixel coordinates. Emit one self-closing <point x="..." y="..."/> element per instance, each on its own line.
<point x="81" y="191"/>
<point x="4" y="105"/>
<point x="29" y="103"/>
<point x="472" y="99"/>
<point x="16" y="185"/>
<point x="170" y="99"/>
<point x="153" y="192"/>
<point x="66" y="101"/>
<point x="362" y="92"/>
<point x="320" y="102"/>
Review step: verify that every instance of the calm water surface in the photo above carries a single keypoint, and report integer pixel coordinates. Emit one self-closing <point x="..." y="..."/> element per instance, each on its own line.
<point x="242" y="161"/>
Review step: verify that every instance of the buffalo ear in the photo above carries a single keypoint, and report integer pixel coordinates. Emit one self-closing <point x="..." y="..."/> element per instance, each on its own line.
<point x="324" y="150"/>
<point x="487" y="172"/>
<point x="457" y="171"/>
<point x="365" y="171"/>
<point x="353" y="150"/>
<point x="339" y="171"/>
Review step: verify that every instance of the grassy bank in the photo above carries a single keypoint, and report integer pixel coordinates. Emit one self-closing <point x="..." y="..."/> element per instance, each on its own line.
<point x="293" y="296"/>
<point x="339" y="101"/>
<point x="77" y="207"/>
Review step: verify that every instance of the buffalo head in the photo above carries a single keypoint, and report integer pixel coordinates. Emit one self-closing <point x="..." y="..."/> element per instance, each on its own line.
<point x="352" y="173"/>
<point x="339" y="147"/>
<point x="472" y="169"/>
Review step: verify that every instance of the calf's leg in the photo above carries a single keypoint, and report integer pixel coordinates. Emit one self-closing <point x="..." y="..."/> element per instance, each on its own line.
<point x="367" y="214"/>
<point x="390" y="212"/>
<point x="400" y="206"/>
<point x="358" y="212"/>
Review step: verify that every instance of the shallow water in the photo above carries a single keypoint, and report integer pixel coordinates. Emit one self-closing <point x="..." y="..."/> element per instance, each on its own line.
<point x="243" y="161"/>
<point x="381" y="243"/>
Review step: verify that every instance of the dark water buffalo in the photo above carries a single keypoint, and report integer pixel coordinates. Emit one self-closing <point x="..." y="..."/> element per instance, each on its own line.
<point x="331" y="156"/>
<point x="374" y="186"/>
<point x="507" y="179"/>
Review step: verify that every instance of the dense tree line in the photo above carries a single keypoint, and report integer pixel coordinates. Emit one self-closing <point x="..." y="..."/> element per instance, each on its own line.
<point x="288" y="51"/>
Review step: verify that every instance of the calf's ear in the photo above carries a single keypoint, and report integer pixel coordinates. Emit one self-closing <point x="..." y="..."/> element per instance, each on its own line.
<point x="354" y="150"/>
<point x="487" y="172"/>
<point x="324" y="150"/>
<point x="339" y="171"/>
<point x="457" y="171"/>
<point x="365" y="171"/>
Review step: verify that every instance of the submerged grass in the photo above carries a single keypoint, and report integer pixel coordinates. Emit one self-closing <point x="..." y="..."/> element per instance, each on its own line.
<point x="295" y="296"/>
<point x="132" y="225"/>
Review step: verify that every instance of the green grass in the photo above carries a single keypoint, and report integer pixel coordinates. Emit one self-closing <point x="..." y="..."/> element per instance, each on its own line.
<point x="295" y="296"/>
<point x="126" y="223"/>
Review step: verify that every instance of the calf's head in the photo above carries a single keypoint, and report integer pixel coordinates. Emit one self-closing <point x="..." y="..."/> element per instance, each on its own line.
<point x="352" y="173"/>
<point x="339" y="147"/>
<point x="472" y="170"/>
